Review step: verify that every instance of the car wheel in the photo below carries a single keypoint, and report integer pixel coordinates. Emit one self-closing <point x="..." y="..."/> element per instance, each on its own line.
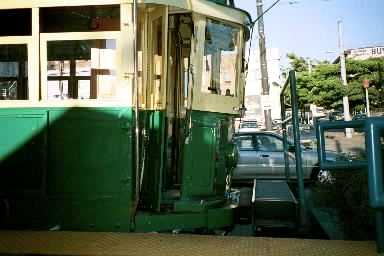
<point x="322" y="176"/>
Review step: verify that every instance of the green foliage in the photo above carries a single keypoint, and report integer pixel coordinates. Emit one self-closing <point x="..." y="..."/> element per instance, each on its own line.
<point x="323" y="86"/>
<point x="297" y="63"/>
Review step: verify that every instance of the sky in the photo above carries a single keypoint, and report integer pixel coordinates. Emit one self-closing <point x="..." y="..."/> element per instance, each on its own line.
<point x="308" y="28"/>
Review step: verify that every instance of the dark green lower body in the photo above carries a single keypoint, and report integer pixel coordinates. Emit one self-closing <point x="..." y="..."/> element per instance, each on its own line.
<point x="73" y="169"/>
<point x="211" y="219"/>
<point x="66" y="168"/>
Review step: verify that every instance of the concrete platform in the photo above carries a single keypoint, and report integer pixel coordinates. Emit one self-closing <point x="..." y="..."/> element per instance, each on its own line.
<point x="72" y="243"/>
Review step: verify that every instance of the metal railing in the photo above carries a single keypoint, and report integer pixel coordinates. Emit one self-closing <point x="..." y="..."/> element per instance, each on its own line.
<point x="374" y="131"/>
<point x="292" y="102"/>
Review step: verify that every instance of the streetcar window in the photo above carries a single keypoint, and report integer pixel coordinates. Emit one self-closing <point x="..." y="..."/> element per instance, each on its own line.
<point x="157" y="63"/>
<point x="17" y="22"/>
<point x="82" y="69"/>
<point x="80" y="19"/>
<point x="13" y="72"/>
<point x="220" y="59"/>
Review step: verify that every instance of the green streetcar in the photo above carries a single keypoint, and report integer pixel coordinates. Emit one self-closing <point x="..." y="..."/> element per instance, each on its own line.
<point x="117" y="115"/>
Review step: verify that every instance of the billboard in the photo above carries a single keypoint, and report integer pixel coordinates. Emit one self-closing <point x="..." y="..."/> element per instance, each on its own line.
<point x="366" y="53"/>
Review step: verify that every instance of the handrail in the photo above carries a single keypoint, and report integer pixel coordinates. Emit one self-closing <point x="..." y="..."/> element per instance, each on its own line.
<point x="374" y="128"/>
<point x="291" y="84"/>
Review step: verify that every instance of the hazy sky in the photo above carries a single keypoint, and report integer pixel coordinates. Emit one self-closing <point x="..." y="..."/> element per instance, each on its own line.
<point x="309" y="27"/>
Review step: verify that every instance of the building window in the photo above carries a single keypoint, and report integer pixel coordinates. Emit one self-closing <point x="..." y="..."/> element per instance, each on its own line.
<point x="220" y="58"/>
<point x="13" y="72"/>
<point x="82" y="69"/>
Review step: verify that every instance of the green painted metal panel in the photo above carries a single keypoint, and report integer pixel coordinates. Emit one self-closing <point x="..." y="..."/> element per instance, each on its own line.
<point x="200" y="157"/>
<point x="198" y="205"/>
<point x="109" y="214"/>
<point x="22" y="151"/>
<point x="86" y="149"/>
<point x="216" y="218"/>
<point x="205" y="170"/>
<point x="84" y="161"/>
<point x="85" y="166"/>
<point x="219" y="218"/>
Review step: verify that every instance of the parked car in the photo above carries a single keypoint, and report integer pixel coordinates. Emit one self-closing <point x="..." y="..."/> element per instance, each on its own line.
<point x="261" y="155"/>
<point x="359" y="116"/>
<point x="336" y="116"/>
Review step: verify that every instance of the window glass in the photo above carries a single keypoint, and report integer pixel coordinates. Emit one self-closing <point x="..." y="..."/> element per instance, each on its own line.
<point x="80" y="19"/>
<point x="220" y="59"/>
<point x="58" y="67"/>
<point x="13" y="72"/>
<point x="16" y="22"/>
<point x="84" y="89"/>
<point x="157" y="62"/>
<point x="58" y="89"/>
<point x="245" y="142"/>
<point x="82" y="69"/>
<point x="269" y="143"/>
<point x="186" y="80"/>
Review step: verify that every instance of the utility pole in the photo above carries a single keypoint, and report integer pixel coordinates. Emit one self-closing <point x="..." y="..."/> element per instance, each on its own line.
<point x="367" y="100"/>
<point x="343" y="71"/>
<point x="366" y="86"/>
<point x="309" y="62"/>
<point x="263" y="67"/>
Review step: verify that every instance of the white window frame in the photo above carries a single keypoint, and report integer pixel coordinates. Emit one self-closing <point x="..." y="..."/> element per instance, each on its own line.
<point x="31" y="41"/>
<point x="153" y="15"/>
<point x="72" y="36"/>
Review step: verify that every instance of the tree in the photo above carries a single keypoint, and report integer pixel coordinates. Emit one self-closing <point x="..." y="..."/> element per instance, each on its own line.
<point x="323" y="86"/>
<point x="297" y="63"/>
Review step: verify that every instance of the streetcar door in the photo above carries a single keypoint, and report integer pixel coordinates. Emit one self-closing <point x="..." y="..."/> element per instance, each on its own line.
<point x="156" y="42"/>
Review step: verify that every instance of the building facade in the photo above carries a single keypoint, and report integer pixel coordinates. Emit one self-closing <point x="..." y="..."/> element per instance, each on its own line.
<point x="365" y="53"/>
<point x="255" y="102"/>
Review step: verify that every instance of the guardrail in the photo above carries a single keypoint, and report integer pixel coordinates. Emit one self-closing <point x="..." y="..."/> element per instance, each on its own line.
<point x="290" y="85"/>
<point x="374" y="131"/>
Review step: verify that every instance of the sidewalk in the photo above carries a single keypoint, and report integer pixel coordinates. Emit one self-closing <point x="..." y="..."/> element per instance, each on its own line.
<point x="336" y="141"/>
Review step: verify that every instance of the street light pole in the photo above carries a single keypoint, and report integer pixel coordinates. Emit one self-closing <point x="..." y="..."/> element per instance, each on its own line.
<point x="367" y="99"/>
<point x="366" y="86"/>
<point x="343" y="71"/>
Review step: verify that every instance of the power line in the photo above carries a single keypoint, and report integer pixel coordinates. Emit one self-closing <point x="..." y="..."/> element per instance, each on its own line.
<point x="252" y="26"/>
<point x="267" y="10"/>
